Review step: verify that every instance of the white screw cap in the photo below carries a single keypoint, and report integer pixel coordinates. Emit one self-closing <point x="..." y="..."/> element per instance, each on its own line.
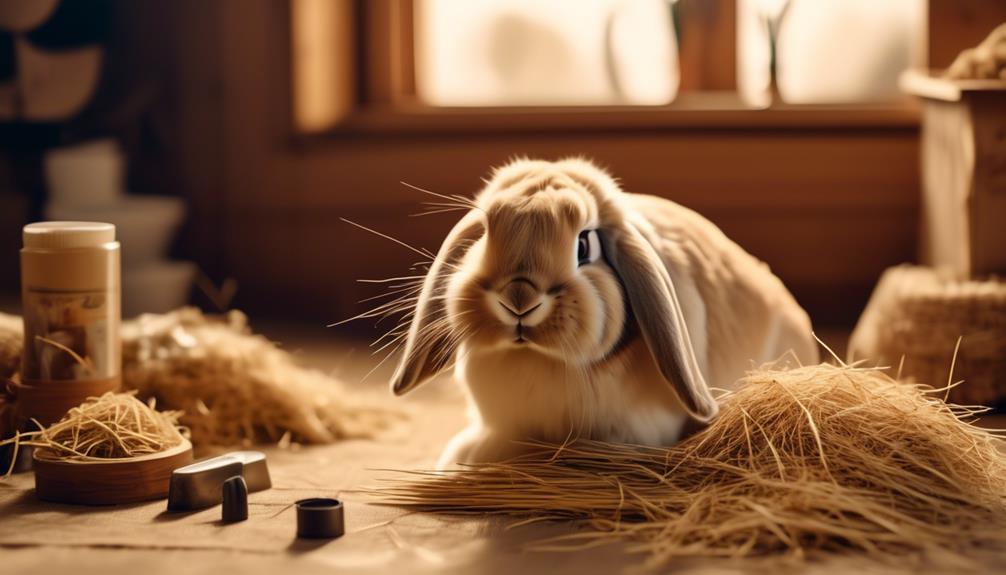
<point x="67" y="234"/>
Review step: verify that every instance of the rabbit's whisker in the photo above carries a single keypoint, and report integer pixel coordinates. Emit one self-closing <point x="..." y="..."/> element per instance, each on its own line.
<point x="456" y="198"/>
<point x="418" y="279"/>
<point x="440" y="211"/>
<point x="391" y="292"/>
<point x="421" y="251"/>
<point x="382" y="362"/>
<point x="397" y="339"/>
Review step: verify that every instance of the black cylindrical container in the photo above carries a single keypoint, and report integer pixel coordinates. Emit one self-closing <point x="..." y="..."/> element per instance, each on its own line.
<point x="320" y="518"/>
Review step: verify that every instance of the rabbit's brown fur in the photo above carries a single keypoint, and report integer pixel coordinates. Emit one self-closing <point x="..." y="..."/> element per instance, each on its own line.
<point x="623" y="346"/>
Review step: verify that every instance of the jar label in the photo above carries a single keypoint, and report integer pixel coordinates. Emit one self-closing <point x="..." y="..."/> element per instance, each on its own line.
<point x="68" y="335"/>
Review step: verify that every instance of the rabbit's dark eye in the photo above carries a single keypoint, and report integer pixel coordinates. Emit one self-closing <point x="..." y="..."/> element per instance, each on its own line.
<point x="588" y="247"/>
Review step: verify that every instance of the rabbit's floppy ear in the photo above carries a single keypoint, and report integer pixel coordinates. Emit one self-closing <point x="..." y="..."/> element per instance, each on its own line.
<point x="429" y="346"/>
<point x="656" y="308"/>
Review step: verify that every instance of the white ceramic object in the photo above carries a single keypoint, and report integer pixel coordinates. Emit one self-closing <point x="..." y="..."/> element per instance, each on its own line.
<point x="145" y="225"/>
<point x="157" y="287"/>
<point x="86" y="174"/>
<point x="829" y="52"/>
<point x="545" y="52"/>
<point x="850" y="51"/>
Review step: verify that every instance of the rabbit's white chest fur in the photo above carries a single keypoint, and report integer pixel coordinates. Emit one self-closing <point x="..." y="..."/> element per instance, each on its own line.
<point x="519" y="394"/>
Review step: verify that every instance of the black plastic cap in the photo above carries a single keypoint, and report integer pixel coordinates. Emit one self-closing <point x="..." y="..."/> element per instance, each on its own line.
<point x="235" y="498"/>
<point x="320" y="518"/>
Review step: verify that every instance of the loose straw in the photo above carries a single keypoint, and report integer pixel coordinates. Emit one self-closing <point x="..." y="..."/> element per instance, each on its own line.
<point x="809" y="460"/>
<point x="235" y="387"/>
<point x="113" y="426"/>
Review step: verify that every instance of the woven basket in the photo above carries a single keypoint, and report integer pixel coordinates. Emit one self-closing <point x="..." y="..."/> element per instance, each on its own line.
<point x="919" y="313"/>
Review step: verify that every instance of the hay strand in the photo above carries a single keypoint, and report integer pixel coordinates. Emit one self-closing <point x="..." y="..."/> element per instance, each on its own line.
<point x="236" y="387"/>
<point x="803" y="461"/>
<point x="113" y="426"/>
<point x="11" y="342"/>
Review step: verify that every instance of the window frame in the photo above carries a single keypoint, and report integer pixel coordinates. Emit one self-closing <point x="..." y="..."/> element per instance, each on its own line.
<point x="383" y="92"/>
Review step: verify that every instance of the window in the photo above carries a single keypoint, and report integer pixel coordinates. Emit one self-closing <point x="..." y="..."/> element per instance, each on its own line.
<point x="392" y="64"/>
<point x="545" y="52"/>
<point x="827" y="52"/>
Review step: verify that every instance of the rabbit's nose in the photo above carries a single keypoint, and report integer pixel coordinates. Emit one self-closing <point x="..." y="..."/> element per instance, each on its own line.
<point x="520" y="297"/>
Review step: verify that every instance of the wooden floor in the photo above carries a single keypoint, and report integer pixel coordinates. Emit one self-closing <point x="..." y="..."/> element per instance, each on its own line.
<point x="41" y="538"/>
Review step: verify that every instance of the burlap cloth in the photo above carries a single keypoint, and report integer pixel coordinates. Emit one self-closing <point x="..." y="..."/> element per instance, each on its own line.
<point x="40" y="537"/>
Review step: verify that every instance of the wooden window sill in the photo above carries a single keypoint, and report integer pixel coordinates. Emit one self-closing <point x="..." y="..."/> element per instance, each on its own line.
<point x="706" y="114"/>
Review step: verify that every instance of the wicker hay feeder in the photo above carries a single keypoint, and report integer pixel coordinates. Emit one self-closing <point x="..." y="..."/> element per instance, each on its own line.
<point x="919" y="313"/>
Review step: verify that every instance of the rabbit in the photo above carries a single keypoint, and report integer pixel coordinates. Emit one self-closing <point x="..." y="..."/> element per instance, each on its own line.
<point x="572" y="309"/>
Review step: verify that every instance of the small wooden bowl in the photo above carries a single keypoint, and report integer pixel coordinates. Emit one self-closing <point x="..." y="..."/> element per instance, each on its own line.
<point x="108" y="482"/>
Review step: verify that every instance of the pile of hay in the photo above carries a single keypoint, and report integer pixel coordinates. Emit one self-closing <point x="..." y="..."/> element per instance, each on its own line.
<point x="11" y="342"/>
<point x="803" y="461"/>
<point x="986" y="61"/>
<point x="234" y="387"/>
<point x="916" y="316"/>
<point x="113" y="426"/>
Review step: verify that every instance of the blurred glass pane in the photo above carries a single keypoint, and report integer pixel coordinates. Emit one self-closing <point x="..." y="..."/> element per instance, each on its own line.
<point x="545" y="52"/>
<point x="828" y="51"/>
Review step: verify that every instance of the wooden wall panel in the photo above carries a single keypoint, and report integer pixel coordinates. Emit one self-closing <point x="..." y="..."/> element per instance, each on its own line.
<point x="707" y="47"/>
<point x="828" y="213"/>
<point x="305" y="263"/>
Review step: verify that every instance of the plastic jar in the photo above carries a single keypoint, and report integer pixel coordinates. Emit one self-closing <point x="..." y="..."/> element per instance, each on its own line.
<point x="70" y="299"/>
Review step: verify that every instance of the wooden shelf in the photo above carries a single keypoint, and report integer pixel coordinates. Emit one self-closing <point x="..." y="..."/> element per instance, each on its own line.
<point x="932" y="85"/>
